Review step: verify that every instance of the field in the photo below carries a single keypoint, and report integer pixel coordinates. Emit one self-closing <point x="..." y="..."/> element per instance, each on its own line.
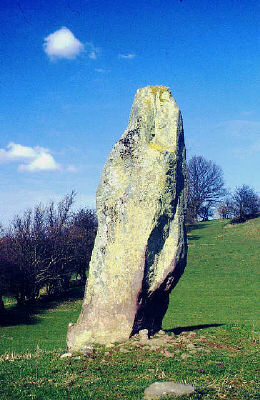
<point x="212" y="333"/>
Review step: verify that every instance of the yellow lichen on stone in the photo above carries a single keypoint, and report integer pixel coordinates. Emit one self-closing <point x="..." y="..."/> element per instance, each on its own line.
<point x="158" y="88"/>
<point x="147" y="102"/>
<point x="161" y="148"/>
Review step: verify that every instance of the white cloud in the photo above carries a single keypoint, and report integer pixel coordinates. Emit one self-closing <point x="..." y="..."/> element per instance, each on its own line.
<point x="33" y="159"/>
<point x="127" y="56"/>
<point x="43" y="162"/>
<point x="62" y="44"/>
<point x="17" y="152"/>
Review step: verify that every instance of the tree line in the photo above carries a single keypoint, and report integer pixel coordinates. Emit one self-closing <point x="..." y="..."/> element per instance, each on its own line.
<point x="43" y="249"/>
<point x="207" y="195"/>
<point x="48" y="245"/>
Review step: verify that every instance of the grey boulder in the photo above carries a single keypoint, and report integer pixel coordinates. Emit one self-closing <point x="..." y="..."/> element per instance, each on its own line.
<point x="173" y="389"/>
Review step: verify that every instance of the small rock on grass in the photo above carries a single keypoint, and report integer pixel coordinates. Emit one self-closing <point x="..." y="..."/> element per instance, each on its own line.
<point x="143" y="334"/>
<point x="66" y="355"/>
<point x="159" y="389"/>
<point x="161" y="332"/>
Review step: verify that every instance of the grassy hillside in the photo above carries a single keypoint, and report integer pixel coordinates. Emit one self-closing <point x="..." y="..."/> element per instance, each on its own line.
<point x="221" y="281"/>
<point x="212" y="312"/>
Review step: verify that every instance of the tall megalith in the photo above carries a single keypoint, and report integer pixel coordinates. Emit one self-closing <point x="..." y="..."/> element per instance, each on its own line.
<point x="140" y="247"/>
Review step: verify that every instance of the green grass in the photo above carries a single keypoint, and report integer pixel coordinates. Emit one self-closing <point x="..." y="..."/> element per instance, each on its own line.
<point x="219" y="286"/>
<point x="221" y="281"/>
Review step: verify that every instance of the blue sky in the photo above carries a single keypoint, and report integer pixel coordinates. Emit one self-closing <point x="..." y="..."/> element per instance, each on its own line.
<point x="69" y="70"/>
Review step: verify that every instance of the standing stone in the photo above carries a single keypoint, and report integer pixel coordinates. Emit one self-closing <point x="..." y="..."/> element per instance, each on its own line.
<point x="140" y="248"/>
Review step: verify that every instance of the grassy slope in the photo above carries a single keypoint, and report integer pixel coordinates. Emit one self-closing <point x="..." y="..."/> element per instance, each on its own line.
<point x="221" y="280"/>
<point x="219" y="286"/>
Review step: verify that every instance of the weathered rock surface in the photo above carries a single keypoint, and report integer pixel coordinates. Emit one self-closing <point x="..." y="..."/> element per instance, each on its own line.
<point x="172" y="389"/>
<point x="140" y="248"/>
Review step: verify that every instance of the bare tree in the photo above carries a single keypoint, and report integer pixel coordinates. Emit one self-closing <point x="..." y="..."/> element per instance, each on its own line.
<point x="11" y="277"/>
<point x="82" y="236"/>
<point x="44" y="248"/>
<point x="226" y="208"/>
<point x="245" y="203"/>
<point x="205" y="211"/>
<point x="205" y="187"/>
<point x="56" y="269"/>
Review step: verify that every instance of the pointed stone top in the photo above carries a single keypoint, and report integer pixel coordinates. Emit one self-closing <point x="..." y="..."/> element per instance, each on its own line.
<point x="157" y="93"/>
<point x="160" y="88"/>
<point x="154" y="89"/>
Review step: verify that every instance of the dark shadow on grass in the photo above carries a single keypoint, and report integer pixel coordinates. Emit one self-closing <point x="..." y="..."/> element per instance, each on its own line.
<point x="181" y="329"/>
<point x="193" y="227"/>
<point x="29" y="314"/>
<point x="193" y="237"/>
<point x="196" y="228"/>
